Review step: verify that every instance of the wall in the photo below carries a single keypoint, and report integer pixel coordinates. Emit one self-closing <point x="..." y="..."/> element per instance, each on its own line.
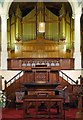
<point x="7" y="74"/>
<point x="74" y="74"/>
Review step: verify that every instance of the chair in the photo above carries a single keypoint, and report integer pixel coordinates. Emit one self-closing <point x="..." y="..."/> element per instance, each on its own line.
<point x="19" y="99"/>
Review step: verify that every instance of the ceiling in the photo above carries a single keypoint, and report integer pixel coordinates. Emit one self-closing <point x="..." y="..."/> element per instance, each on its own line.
<point x="26" y="7"/>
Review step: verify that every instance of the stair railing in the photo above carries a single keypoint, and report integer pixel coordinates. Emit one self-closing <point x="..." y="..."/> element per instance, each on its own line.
<point x="12" y="80"/>
<point x="67" y="78"/>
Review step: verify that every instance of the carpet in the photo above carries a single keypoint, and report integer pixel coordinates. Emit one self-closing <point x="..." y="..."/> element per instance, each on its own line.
<point x="13" y="114"/>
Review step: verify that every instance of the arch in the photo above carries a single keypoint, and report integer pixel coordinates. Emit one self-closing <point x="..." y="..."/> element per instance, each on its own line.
<point x="5" y="8"/>
<point x="7" y="3"/>
<point x="74" y="5"/>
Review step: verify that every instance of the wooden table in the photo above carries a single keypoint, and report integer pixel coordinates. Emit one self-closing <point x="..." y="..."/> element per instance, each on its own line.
<point x="48" y="101"/>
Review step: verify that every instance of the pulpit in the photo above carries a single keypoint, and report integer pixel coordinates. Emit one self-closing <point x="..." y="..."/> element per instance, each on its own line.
<point x="41" y="73"/>
<point x="41" y="92"/>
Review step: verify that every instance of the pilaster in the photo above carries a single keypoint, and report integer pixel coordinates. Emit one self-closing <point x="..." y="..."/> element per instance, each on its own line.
<point x="77" y="39"/>
<point x="4" y="53"/>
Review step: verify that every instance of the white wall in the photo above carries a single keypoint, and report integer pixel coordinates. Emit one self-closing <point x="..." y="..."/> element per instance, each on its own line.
<point x="73" y="74"/>
<point x="7" y="74"/>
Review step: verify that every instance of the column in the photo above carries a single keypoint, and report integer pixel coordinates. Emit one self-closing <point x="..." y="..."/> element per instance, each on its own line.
<point x="77" y="53"/>
<point x="4" y="53"/>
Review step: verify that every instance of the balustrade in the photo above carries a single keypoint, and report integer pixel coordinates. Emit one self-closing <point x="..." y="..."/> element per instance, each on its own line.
<point x="28" y="63"/>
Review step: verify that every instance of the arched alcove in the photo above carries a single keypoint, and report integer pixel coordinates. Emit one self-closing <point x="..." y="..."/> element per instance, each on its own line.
<point x="54" y="8"/>
<point x="58" y="28"/>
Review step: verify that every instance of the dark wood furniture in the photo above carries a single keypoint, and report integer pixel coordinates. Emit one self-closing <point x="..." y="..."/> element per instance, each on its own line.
<point x="48" y="100"/>
<point x="41" y="75"/>
<point x="40" y="85"/>
<point x="37" y="94"/>
<point x="40" y="88"/>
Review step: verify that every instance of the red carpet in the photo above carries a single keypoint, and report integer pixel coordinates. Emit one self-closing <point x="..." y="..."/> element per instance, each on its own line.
<point x="13" y="114"/>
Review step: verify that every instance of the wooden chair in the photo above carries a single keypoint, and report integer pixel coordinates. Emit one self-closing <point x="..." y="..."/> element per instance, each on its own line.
<point x="19" y="99"/>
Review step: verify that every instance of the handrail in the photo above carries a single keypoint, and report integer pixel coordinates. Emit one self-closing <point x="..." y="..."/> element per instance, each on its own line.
<point x="68" y="77"/>
<point x="10" y="81"/>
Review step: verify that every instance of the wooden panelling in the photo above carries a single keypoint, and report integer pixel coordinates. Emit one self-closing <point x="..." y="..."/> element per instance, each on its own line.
<point x="41" y="76"/>
<point x="66" y="63"/>
<point x="28" y="63"/>
<point x="40" y="48"/>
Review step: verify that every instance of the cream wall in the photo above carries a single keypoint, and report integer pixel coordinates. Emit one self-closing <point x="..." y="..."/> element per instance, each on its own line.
<point x="7" y="74"/>
<point x="73" y="74"/>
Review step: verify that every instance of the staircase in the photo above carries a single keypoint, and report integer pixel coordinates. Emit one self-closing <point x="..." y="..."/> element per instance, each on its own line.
<point x="13" y="85"/>
<point x="16" y="83"/>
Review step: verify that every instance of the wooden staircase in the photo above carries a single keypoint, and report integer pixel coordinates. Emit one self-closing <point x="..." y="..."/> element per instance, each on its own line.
<point x="13" y="85"/>
<point x="16" y="83"/>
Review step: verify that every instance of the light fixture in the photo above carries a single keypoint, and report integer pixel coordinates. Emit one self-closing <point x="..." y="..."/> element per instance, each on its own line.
<point x="40" y="17"/>
<point x="41" y="27"/>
